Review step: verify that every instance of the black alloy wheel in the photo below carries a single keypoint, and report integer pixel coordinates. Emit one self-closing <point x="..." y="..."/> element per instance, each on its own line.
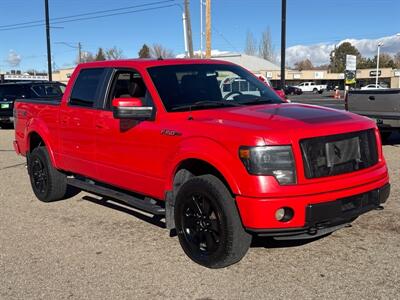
<point x="48" y="183"/>
<point x="208" y="223"/>
<point x="201" y="225"/>
<point x="39" y="175"/>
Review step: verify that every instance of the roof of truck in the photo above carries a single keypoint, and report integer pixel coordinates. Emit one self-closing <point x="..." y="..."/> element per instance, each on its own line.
<point x="144" y="62"/>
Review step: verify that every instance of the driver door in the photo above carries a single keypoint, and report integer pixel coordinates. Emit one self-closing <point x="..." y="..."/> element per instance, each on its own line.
<point x="126" y="154"/>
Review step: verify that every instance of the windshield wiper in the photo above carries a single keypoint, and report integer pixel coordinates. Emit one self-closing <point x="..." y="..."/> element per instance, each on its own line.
<point x="205" y="103"/>
<point x="256" y="101"/>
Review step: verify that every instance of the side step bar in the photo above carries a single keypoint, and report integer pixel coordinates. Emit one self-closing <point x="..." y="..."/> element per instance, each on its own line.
<point x="147" y="205"/>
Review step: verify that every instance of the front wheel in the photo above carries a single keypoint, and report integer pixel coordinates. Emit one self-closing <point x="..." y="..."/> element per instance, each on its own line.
<point x="315" y="91"/>
<point x="208" y="223"/>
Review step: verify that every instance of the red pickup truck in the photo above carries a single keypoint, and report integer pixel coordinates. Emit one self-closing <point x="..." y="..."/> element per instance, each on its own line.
<point x="220" y="164"/>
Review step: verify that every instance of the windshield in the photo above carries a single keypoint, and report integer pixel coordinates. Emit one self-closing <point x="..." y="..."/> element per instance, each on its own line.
<point x="202" y="86"/>
<point x="48" y="90"/>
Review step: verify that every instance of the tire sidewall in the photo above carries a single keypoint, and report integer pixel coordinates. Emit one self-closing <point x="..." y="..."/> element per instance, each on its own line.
<point x="40" y="154"/>
<point x="195" y="186"/>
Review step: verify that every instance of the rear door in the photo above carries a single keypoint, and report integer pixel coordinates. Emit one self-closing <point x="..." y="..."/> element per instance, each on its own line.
<point x="77" y="118"/>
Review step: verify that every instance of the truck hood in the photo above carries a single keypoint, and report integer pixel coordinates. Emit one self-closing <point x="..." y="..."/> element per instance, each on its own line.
<point x="298" y="120"/>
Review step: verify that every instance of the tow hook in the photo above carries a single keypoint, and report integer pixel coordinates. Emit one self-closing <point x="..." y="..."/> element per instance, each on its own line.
<point x="312" y="231"/>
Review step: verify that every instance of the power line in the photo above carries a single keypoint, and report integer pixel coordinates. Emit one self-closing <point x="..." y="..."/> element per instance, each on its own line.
<point x="79" y="17"/>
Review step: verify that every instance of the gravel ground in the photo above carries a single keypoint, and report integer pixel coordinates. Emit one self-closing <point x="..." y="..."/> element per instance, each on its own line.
<point x="83" y="248"/>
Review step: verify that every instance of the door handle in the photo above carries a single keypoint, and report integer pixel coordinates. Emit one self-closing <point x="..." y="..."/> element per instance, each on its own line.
<point x="371" y="97"/>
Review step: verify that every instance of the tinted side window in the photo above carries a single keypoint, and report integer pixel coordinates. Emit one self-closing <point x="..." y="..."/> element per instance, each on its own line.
<point x="128" y="84"/>
<point x="87" y="87"/>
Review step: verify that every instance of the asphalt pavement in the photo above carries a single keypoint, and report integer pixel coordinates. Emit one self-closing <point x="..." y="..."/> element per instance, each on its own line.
<point x="86" y="248"/>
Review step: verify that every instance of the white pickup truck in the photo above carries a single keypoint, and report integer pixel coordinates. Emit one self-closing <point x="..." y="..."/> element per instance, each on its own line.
<point x="312" y="87"/>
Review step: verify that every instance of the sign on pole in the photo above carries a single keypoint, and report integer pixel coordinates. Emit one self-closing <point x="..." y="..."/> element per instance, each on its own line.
<point x="351" y="67"/>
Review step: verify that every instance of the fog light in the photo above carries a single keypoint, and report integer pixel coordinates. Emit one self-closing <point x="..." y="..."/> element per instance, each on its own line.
<point x="284" y="214"/>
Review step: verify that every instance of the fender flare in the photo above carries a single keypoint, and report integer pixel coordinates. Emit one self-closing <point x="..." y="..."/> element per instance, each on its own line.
<point x="43" y="132"/>
<point x="210" y="152"/>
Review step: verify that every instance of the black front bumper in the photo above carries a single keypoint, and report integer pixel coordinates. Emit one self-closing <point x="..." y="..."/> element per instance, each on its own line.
<point x="326" y="217"/>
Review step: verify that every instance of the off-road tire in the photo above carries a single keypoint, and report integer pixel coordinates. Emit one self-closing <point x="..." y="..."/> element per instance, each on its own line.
<point x="234" y="241"/>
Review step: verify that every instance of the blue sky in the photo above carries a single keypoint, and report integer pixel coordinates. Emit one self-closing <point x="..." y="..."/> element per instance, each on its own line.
<point x="309" y="23"/>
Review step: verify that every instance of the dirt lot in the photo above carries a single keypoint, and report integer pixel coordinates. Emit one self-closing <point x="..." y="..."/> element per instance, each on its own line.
<point x="83" y="248"/>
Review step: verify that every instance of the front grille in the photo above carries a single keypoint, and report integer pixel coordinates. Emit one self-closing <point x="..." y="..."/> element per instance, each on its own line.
<point x="339" y="154"/>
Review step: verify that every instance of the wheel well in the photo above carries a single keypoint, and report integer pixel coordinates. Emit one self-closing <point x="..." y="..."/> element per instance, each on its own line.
<point x="35" y="140"/>
<point x="196" y="167"/>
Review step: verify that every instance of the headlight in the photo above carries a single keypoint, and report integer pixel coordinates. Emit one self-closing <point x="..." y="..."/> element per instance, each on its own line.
<point x="276" y="161"/>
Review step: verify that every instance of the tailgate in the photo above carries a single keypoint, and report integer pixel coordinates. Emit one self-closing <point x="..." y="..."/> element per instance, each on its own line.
<point x="375" y="103"/>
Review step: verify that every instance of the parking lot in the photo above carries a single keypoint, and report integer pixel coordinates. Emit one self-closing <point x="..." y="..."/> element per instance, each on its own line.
<point x="86" y="248"/>
<point x="325" y="99"/>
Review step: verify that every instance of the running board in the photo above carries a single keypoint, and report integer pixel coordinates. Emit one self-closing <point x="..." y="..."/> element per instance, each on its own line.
<point x="147" y="204"/>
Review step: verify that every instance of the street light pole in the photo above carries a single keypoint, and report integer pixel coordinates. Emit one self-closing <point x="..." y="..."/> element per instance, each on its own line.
<point x="283" y="44"/>
<point x="46" y="7"/>
<point x="380" y="44"/>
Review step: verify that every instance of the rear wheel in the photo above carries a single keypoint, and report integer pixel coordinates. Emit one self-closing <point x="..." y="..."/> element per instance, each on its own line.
<point x="208" y="223"/>
<point x="47" y="182"/>
<point x="315" y="91"/>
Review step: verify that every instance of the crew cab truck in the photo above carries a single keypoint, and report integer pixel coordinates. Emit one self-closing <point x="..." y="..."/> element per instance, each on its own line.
<point x="312" y="87"/>
<point x="381" y="105"/>
<point x="159" y="135"/>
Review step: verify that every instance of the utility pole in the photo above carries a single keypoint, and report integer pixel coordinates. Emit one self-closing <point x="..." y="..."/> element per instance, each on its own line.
<point x="283" y="44"/>
<point x="46" y="8"/>
<point x="79" y="52"/>
<point x="201" y="28"/>
<point x="208" y="28"/>
<point x="188" y="29"/>
<point x="380" y="44"/>
<point x="185" y="34"/>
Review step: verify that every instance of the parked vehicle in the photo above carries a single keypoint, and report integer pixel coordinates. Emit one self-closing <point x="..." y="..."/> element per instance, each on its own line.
<point x="277" y="90"/>
<point x="32" y="90"/>
<point x="163" y="137"/>
<point x="292" y="90"/>
<point x="372" y="87"/>
<point x="382" y="105"/>
<point x="312" y="87"/>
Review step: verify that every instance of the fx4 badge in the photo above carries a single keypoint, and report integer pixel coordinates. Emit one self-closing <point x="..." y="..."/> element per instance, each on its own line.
<point x="170" y="132"/>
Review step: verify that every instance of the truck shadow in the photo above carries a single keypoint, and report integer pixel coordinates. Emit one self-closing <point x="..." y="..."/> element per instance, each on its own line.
<point x="123" y="207"/>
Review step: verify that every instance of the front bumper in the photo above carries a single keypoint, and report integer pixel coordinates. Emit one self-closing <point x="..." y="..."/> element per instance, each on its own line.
<point x="312" y="212"/>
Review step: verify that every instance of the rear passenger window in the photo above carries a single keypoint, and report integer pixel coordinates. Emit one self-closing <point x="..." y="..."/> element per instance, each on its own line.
<point x="87" y="87"/>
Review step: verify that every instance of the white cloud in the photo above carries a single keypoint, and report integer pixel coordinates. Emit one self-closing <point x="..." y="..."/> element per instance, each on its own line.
<point x="319" y="53"/>
<point x="13" y="58"/>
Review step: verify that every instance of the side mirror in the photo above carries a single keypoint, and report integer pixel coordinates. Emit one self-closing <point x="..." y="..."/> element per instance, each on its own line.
<point x="131" y="108"/>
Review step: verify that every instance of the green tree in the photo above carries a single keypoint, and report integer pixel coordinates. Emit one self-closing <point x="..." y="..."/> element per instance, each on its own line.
<point x="338" y="57"/>
<point x="144" y="52"/>
<point x="100" y="55"/>
<point x="385" y="61"/>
